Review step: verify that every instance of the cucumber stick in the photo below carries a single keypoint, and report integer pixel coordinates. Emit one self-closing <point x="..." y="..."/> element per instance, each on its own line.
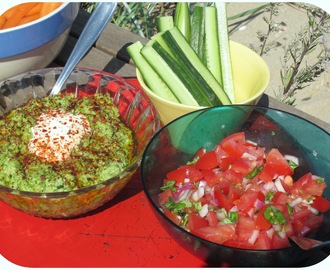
<point x="188" y="59"/>
<point x="165" y="71"/>
<point x="151" y="78"/>
<point x="164" y="23"/>
<point x="197" y="31"/>
<point x="212" y="47"/>
<point x="182" y="19"/>
<point x="223" y="37"/>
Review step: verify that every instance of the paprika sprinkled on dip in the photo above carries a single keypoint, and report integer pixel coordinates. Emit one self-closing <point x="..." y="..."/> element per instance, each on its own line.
<point x="61" y="143"/>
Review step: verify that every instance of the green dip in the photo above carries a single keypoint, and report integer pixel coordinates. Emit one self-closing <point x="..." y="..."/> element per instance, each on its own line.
<point x="106" y="152"/>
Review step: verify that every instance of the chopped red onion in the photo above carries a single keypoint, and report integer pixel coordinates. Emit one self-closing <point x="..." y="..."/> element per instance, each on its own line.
<point x="203" y="212"/>
<point x="253" y="236"/>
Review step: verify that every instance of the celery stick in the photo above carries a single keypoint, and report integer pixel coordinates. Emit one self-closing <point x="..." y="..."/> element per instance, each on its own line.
<point x="182" y="18"/>
<point x="212" y="48"/>
<point x="226" y="67"/>
<point x="150" y="77"/>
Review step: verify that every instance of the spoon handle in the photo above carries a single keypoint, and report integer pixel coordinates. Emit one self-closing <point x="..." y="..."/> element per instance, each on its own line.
<point x="95" y="25"/>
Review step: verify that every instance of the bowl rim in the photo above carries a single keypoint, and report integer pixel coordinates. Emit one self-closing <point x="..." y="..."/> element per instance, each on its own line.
<point x="177" y="227"/>
<point x="134" y="164"/>
<point x="19" y="27"/>
<point x="20" y="36"/>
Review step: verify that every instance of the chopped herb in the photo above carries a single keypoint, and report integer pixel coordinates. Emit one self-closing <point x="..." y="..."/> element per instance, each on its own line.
<point x="197" y="205"/>
<point x="290" y="210"/>
<point x="169" y="185"/>
<point x="319" y="180"/>
<point x="310" y="199"/>
<point x="184" y="220"/>
<point x="177" y="207"/>
<point x="193" y="161"/>
<point x="292" y="164"/>
<point x="254" y="172"/>
<point x="269" y="196"/>
<point x="274" y="216"/>
<point x="231" y="218"/>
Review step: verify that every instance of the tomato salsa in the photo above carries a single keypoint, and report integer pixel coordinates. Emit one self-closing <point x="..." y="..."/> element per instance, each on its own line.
<point x="239" y="195"/>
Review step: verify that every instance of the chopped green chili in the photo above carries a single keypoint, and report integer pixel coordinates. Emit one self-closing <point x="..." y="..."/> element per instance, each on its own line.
<point x="254" y="172"/>
<point x="269" y="196"/>
<point x="274" y="216"/>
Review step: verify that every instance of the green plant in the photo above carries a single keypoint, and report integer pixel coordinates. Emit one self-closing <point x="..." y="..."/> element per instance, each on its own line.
<point x="294" y="75"/>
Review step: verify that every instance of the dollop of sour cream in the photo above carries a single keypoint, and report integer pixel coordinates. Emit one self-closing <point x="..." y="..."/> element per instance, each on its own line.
<point x="57" y="133"/>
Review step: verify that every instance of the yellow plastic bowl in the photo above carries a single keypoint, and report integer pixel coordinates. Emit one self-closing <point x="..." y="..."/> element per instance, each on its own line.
<point x="250" y="74"/>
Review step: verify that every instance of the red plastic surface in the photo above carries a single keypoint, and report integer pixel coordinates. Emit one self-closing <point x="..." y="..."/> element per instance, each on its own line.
<point x="122" y="233"/>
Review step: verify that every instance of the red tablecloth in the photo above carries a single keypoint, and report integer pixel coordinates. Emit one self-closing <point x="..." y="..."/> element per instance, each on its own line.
<point x="122" y="233"/>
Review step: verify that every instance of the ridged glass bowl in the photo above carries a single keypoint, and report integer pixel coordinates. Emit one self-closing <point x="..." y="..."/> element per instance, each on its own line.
<point x="134" y="108"/>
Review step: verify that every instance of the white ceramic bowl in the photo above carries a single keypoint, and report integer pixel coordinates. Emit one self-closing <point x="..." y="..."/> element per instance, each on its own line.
<point x="35" y="45"/>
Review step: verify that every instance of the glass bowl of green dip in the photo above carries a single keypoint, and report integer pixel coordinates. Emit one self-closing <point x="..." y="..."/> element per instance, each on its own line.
<point x="65" y="155"/>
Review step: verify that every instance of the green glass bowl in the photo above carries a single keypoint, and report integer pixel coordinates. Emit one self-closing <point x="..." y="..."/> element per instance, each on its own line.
<point x="176" y="143"/>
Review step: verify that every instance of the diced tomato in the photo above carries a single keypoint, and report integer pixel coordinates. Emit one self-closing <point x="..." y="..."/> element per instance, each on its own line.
<point x="200" y="152"/>
<point x="225" y="162"/>
<point x="280" y="198"/>
<point x="277" y="162"/>
<point x="222" y="200"/>
<point x="224" y="170"/>
<point x="254" y="186"/>
<point x="207" y="161"/>
<point x="238" y="137"/>
<point x="279" y="242"/>
<point x="300" y="213"/>
<point x="321" y="203"/>
<point x="313" y="221"/>
<point x="246" y="201"/>
<point x="239" y="244"/>
<point x="210" y="177"/>
<point x="245" y="227"/>
<point x="163" y="196"/>
<point x="267" y="174"/>
<point x="177" y="175"/>
<point x="225" y="195"/>
<point x="232" y="176"/>
<point x="264" y="241"/>
<point x="257" y="152"/>
<point x="243" y="166"/>
<point x="211" y="217"/>
<point x="234" y="144"/>
<point x="207" y="199"/>
<point x="261" y="222"/>
<point x="195" y="221"/>
<point x="173" y="217"/>
<point x="263" y="123"/>
<point x="183" y="172"/>
<point x="218" y="234"/>
<point x="306" y="186"/>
